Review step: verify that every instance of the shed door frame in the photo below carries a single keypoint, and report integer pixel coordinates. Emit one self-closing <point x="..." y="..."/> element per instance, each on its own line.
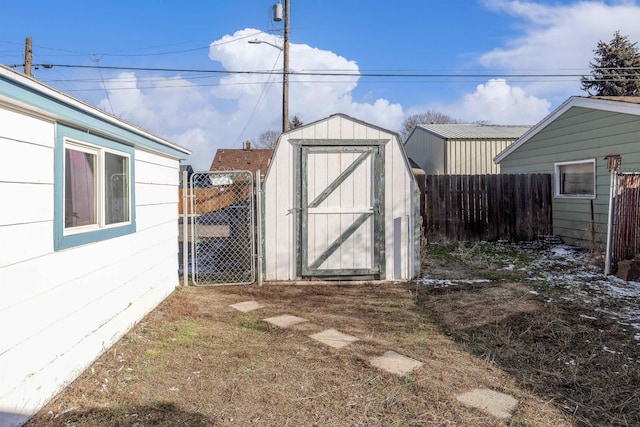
<point x="377" y="149"/>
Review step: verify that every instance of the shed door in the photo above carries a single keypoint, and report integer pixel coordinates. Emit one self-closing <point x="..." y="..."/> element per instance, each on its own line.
<point x="341" y="211"/>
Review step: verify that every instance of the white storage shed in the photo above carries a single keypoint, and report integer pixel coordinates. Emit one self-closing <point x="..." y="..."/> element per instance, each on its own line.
<point x="88" y="225"/>
<point x="340" y="202"/>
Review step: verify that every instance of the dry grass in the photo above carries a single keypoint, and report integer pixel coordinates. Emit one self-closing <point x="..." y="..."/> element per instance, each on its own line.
<point x="195" y="361"/>
<point x="563" y="346"/>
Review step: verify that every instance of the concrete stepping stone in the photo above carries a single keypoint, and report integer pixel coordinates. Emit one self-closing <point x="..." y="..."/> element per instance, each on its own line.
<point x="395" y="363"/>
<point x="498" y="404"/>
<point x="285" y="320"/>
<point x="246" y="306"/>
<point x="334" y="338"/>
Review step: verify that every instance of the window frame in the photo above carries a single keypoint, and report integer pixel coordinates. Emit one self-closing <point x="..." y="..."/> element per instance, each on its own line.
<point x="74" y="139"/>
<point x="557" y="187"/>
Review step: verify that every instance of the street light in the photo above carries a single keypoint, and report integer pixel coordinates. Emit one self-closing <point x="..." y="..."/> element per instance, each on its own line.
<point x="285" y="66"/>
<point x="256" y="41"/>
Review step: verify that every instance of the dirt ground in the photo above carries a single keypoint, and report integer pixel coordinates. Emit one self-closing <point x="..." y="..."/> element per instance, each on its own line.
<point x="485" y="316"/>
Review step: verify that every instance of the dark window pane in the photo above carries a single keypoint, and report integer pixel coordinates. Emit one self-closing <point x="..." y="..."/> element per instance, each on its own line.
<point x="576" y="179"/>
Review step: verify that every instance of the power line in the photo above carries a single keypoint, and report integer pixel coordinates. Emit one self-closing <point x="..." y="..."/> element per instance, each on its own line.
<point x="118" y="54"/>
<point x="337" y="73"/>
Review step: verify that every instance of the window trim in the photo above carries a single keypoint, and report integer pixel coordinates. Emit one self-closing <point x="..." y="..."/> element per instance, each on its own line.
<point x="75" y="236"/>
<point x="556" y="179"/>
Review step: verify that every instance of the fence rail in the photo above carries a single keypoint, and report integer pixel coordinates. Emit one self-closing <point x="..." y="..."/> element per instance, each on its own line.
<point x="486" y="207"/>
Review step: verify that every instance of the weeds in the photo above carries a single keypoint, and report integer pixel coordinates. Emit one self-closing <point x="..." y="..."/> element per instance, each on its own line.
<point x="562" y="331"/>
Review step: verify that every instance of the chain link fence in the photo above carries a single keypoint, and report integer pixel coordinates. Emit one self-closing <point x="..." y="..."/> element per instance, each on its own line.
<point x="220" y="218"/>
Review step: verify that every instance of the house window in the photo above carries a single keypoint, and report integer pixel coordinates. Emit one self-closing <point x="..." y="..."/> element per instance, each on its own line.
<point x="576" y="179"/>
<point x="94" y="194"/>
<point x="96" y="187"/>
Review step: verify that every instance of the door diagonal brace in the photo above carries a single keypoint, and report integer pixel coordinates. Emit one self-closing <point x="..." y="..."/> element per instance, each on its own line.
<point x="339" y="241"/>
<point x="339" y="180"/>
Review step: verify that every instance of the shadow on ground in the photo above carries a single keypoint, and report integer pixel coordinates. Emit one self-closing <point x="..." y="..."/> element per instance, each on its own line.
<point x="160" y="414"/>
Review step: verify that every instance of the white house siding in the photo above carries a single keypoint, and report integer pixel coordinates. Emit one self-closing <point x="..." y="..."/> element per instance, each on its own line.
<point x="59" y="310"/>
<point x="279" y="189"/>
<point x="580" y="134"/>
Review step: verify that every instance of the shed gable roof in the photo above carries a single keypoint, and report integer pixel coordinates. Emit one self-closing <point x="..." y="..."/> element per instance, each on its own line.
<point x="347" y="117"/>
<point x="475" y="131"/>
<point x="616" y="104"/>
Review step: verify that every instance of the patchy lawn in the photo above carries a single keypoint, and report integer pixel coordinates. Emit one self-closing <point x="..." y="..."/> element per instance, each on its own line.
<point x="195" y="361"/>
<point x="548" y="318"/>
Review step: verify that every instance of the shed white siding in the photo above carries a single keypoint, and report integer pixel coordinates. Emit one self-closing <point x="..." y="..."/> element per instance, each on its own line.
<point x="281" y="246"/>
<point x="60" y="309"/>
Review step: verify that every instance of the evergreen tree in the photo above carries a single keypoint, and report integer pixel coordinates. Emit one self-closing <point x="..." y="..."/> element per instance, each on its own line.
<point x="295" y="123"/>
<point x="615" y="70"/>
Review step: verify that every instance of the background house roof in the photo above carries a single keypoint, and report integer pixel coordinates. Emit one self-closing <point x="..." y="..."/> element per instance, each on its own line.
<point x="475" y="131"/>
<point x="246" y="159"/>
<point x="631" y="99"/>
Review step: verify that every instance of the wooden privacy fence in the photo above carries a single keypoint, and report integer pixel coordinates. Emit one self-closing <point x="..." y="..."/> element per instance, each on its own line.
<point x="486" y="207"/>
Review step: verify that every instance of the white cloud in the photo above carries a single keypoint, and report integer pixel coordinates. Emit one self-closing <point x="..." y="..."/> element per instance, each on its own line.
<point x="499" y="103"/>
<point x="553" y="39"/>
<point x="559" y="39"/>
<point x="237" y="107"/>
<point x="496" y="102"/>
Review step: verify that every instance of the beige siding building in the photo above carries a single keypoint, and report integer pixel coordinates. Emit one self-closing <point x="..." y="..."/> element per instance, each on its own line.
<point x="460" y="149"/>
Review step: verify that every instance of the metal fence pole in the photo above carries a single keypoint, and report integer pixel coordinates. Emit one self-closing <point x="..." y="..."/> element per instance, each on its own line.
<point x="259" y="227"/>
<point x="185" y="230"/>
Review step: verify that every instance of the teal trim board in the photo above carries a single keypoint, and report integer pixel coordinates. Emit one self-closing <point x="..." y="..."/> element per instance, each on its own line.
<point x="60" y="240"/>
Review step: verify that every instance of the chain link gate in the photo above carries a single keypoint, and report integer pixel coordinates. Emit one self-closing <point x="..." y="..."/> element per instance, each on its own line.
<point x="221" y="227"/>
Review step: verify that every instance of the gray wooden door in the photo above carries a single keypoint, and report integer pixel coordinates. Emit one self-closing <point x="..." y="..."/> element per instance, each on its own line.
<point x="342" y="211"/>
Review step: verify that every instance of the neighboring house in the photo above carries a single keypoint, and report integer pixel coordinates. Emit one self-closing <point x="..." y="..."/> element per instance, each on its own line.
<point x="460" y="149"/>
<point x="88" y="231"/>
<point x="340" y="201"/>
<point x="185" y="168"/>
<point x="571" y="143"/>
<point x="245" y="159"/>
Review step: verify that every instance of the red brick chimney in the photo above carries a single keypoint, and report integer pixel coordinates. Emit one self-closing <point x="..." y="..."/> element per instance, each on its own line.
<point x="247" y="145"/>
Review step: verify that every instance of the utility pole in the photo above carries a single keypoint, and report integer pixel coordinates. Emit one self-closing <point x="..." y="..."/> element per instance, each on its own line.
<point x="28" y="53"/>
<point x="285" y="70"/>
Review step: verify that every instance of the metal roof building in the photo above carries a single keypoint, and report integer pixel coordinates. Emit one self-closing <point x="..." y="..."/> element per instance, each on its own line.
<point x="462" y="149"/>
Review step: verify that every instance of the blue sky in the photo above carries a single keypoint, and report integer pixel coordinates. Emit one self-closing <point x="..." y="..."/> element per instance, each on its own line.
<point x="202" y="111"/>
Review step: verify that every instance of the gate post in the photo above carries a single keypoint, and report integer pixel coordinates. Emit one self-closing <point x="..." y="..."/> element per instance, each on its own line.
<point x="613" y="164"/>
<point x="185" y="230"/>
<point x="258" y="209"/>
